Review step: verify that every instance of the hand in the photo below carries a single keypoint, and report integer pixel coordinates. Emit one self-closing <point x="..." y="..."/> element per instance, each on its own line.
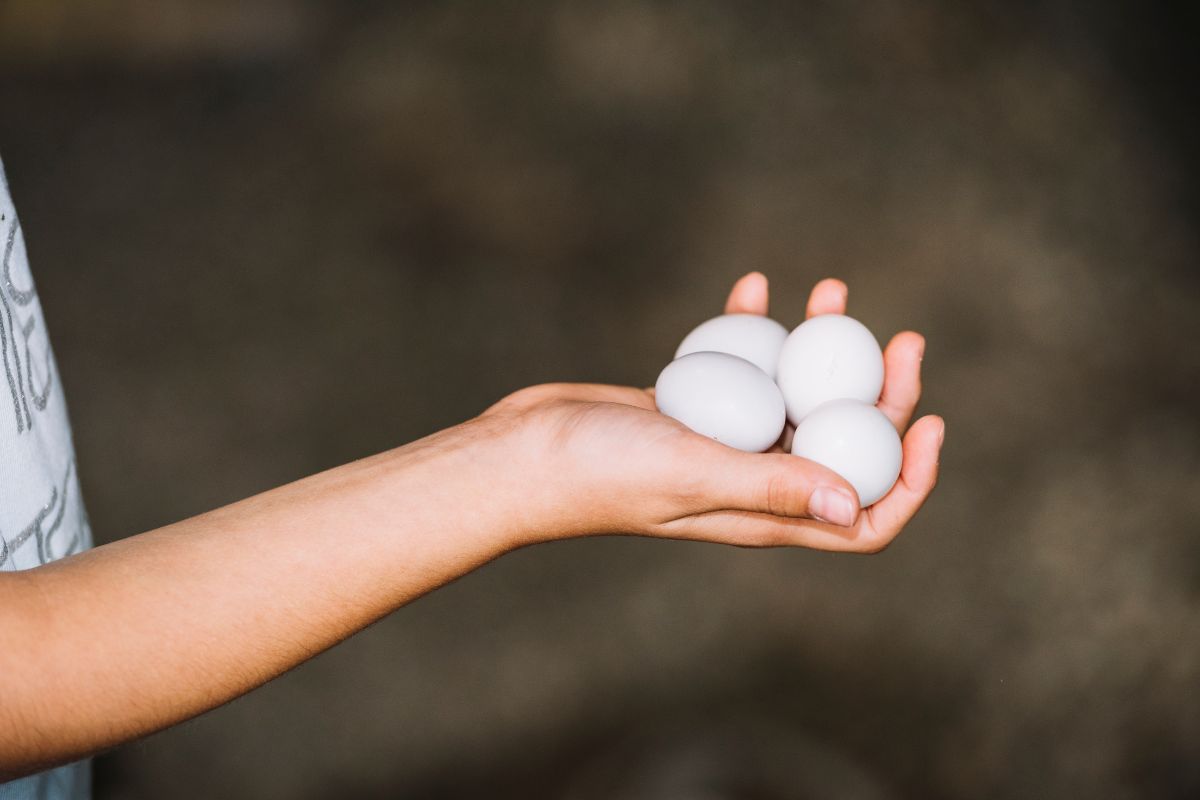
<point x="547" y="462"/>
<point x="601" y="459"/>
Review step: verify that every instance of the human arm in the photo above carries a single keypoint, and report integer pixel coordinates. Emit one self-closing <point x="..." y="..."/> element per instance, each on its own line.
<point x="140" y="634"/>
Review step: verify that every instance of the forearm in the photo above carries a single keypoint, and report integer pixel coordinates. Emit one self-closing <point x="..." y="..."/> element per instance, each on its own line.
<point x="151" y="630"/>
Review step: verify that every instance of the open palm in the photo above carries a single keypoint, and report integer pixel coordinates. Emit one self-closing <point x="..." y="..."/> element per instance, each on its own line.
<point x="610" y="463"/>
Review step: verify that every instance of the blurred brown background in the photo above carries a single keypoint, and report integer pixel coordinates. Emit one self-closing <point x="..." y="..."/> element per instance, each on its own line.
<point x="271" y="237"/>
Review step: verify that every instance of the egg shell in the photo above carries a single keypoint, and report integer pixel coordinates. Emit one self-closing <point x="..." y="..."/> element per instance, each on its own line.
<point x="828" y="357"/>
<point x="723" y="397"/>
<point x="756" y="338"/>
<point x="857" y="441"/>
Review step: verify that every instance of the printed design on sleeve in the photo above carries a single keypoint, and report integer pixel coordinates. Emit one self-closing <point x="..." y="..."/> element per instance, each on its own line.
<point x="20" y="366"/>
<point x="46" y="523"/>
<point x="40" y="396"/>
<point x="14" y="384"/>
<point x="21" y="297"/>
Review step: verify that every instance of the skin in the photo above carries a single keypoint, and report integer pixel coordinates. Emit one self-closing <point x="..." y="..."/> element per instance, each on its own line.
<point x="110" y="645"/>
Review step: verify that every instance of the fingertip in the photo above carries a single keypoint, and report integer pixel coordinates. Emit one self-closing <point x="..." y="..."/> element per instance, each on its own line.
<point x="834" y="506"/>
<point x="831" y="498"/>
<point x="903" y="356"/>
<point x="932" y="427"/>
<point x="909" y="341"/>
<point x="928" y="427"/>
<point x="837" y="285"/>
<point x="829" y="296"/>
<point x="750" y="295"/>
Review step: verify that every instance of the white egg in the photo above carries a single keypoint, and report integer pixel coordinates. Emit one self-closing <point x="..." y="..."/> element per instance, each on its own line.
<point x="753" y="337"/>
<point x="829" y="357"/>
<point x="724" y="397"/>
<point x="855" y="440"/>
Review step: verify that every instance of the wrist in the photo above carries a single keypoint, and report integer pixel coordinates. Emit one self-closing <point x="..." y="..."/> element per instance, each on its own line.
<point x="474" y="487"/>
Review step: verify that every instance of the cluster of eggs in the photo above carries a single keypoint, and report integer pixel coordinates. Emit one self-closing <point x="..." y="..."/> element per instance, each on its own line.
<point x="740" y="378"/>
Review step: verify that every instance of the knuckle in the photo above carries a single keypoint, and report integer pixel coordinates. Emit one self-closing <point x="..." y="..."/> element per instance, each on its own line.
<point x="785" y="497"/>
<point x="522" y="398"/>
<point x="691" y="494"/>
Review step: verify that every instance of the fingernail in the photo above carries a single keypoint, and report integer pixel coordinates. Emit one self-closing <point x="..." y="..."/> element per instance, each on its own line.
<point x="942" y="434"/>
<point x="832" y="506"/>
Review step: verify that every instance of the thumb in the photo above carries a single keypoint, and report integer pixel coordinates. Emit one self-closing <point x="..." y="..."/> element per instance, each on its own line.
<point x="778" y="484"/>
